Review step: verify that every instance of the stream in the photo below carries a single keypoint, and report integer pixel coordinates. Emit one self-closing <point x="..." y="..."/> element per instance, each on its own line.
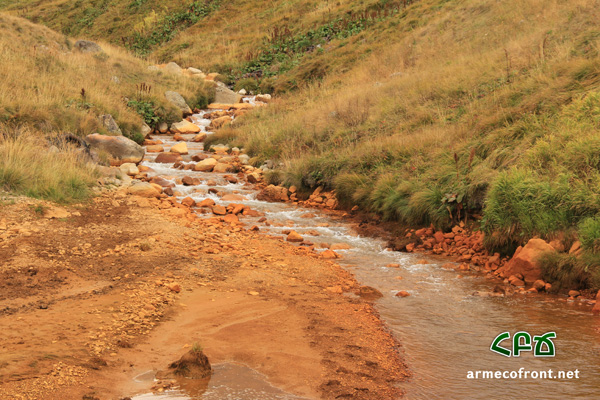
<point x="444" y="329"/>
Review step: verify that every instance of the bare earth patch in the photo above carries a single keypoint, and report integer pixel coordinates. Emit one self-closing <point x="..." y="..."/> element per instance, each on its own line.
<point x="125" y="285"/>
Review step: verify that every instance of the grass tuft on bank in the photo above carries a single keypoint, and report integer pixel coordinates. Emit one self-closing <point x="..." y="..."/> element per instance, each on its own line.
<point x="28" y="168"/>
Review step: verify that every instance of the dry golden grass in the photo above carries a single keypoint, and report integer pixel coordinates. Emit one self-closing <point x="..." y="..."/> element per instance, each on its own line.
<point x="28" y="168"/>
<point x="43" y="77"/>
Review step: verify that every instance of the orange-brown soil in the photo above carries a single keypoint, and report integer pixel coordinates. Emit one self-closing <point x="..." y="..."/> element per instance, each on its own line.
<point x="124" y="285"/>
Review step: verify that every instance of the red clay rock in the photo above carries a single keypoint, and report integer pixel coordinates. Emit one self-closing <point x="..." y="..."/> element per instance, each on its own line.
<point x="273" y="193"/>
<point x="294" y="237"/>
<point x="525" y="261"/>
<point x="206" y="203"/>
<point x="231" y="218"/>
<point x="188" y="202"/>
<point x="330" y="255"/>
<point x="168" y="158"/>
<point x="219" y="210"/>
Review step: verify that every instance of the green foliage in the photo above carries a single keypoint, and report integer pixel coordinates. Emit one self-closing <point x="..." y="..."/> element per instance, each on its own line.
<point x="135" y="4"/>
<point x="567" y="271"/>
<point x="522" y="204"/>
<point x="200" y="100"/>
<point x="284" y="49"/>
<point x="589" y="233"/>
<point x="168" y="26"/>
<point x="146" y="109"/>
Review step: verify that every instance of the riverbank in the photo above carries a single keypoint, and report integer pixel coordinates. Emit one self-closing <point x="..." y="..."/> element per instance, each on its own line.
<point x="126" y="284"/>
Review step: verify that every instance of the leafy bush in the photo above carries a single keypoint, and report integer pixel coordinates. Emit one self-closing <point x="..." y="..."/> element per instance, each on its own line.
<point x="146" y="109"/>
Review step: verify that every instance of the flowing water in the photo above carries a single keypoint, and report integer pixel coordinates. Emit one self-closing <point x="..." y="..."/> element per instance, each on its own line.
<point x="444" y="329"/>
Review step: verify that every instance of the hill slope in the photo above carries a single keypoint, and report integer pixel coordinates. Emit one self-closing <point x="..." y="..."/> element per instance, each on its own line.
<point x="48" y="88"/>
<point x="421" y="111"/>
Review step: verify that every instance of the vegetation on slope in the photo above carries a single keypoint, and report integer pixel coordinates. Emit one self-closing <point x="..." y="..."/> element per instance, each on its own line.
<point x="424" y="112"/>
<point x="280" y="45"/>
<point x="470" y="111"/>
<point x="50" y="88"/>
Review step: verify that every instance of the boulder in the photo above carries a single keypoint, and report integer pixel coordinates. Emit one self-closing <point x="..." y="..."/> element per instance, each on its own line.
<point x="220" y="122"/>
<point x="162" y="182"/>
<point x="273" y="193"/>
<point x="145" y="129"/>
<point x="223" y="168"/>
<point x="231" y="219"/>
<point x="596" y="309"/>
<point x="194" y="71"/>
<point x="119" y="148"/>
<point x="233" y="197"/>
<point x="369" y="293"/>
<point x="264" y="98"/>
<point x="163" y="127"/>
<point x="179" y="148"/>
<point x="206" y="203"/>
<point x="143" y="189"/>
<point x="155" y="148"/>
<point x="178" y="101"/>
<point x="254" y="177"/>
<point x="188" y="202"/>
<point x="402" y="293"/>
<point x="539" y="285"/>
<point x="224" y="95"/>
<point x="201" y="137"/>
<point x="168" y="158"/>
<point x="192" y="365"/>
<point x="330" y="255"/>
<point x="219" y="210"/>
<point x="129" y="169"/>
<point x="525" y="261"/>
<point x="86" y="46"/>
<point x="220" y="148"/>
<point x="110" y="124"/>
<point x="184" y="127"/>
<point x="205" y="165"/>
<point x="294" y="237"/>
<point x="173" y="68"/>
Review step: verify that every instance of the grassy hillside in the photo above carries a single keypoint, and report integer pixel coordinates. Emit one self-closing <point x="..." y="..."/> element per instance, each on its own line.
<point x="429" y="111"/>
<point x="282" y="43"/>
<point x="462" y="108"/>
<point x="49" y="88"/>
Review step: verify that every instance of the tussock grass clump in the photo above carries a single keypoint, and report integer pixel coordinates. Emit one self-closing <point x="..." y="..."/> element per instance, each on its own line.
<point x="568" y="271"/>
<point x="28" y="168"/>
